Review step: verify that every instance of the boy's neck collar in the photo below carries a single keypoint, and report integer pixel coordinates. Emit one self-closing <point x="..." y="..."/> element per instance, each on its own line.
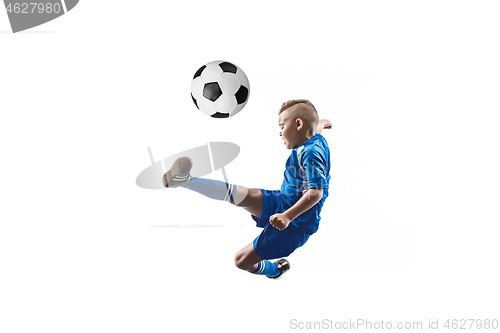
<point x="307" y="138"/>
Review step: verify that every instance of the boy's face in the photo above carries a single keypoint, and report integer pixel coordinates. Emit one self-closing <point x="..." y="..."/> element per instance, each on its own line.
<point x="289" y="129"/>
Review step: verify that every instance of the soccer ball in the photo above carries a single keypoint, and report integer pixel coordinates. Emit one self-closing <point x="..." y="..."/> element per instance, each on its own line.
<point x="220" y="89"/>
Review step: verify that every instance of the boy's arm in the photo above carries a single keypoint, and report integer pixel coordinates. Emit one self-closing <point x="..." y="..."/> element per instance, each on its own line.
<point x="323" y="124"/>
<point x="281" y="220"/>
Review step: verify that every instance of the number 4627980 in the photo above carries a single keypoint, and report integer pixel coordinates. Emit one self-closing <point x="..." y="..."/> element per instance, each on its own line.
<point x="471" y="324"/>
<point x="34" y="7"/>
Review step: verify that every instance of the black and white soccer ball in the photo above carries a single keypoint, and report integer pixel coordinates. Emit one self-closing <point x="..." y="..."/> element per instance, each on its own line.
<point x="220" y="89"/>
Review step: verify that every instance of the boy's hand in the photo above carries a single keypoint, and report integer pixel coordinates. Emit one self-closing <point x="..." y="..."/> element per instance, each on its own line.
<point x="280" y="221"/>
<point x="323" y="124"/>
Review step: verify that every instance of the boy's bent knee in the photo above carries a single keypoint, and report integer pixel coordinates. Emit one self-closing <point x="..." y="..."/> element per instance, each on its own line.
<point x="241" y="261"/>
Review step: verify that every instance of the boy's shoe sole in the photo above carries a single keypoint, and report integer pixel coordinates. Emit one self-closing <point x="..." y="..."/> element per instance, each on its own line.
<point x="178" y="175"/>
<point x="283" y="266"/>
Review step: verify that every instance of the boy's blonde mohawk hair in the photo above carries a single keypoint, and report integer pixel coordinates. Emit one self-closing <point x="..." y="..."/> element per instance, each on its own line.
<point x="292" y="102"/>
<point x="309" y="114"/>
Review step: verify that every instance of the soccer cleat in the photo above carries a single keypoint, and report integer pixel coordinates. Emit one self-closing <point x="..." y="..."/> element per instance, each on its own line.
<point x="208" y="158"/>
<point x="283" y="266"/>
<point x="178" y="175"/>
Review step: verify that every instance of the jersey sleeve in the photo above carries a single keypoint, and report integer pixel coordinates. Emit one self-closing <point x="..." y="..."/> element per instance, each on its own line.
<point x="315" y="167"/>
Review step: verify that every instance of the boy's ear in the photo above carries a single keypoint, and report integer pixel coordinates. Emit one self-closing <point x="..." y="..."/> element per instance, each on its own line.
<point x="299" y="123"/>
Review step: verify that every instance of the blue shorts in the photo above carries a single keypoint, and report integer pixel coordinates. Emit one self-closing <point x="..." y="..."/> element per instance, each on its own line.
<point x="272" y="243"/>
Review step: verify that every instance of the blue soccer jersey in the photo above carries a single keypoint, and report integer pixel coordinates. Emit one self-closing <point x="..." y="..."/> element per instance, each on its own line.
<point x="307" y="167"/>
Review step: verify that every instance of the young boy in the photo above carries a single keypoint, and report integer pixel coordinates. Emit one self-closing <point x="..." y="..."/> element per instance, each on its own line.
<point x="289" y="216"/>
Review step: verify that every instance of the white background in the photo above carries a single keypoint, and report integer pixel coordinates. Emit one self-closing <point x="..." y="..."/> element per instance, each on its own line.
<point x="409" y="232"/>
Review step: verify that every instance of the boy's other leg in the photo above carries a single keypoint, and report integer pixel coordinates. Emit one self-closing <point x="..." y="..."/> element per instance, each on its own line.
<point x="248" y="260"/>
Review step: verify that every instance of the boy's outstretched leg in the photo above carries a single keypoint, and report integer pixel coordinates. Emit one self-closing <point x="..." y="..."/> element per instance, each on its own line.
<point x="179" y="176"/>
